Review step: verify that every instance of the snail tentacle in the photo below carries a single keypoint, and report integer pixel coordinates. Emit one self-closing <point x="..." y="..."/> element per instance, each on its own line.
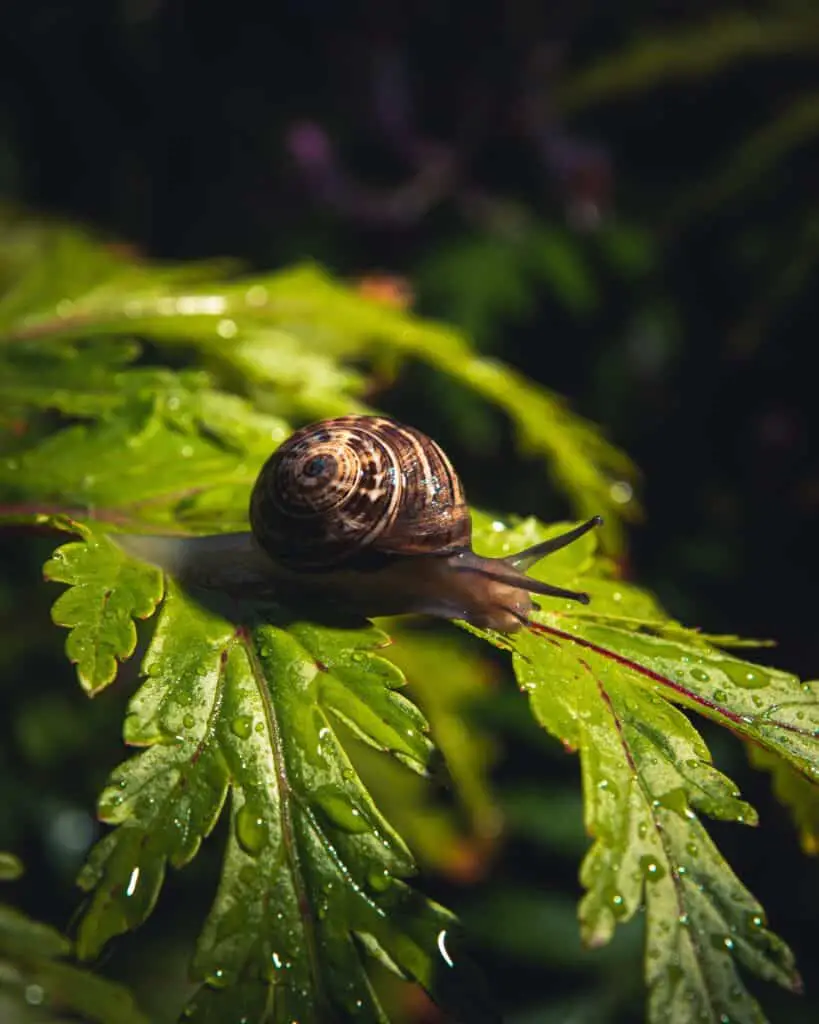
<point x="524" y="560"/>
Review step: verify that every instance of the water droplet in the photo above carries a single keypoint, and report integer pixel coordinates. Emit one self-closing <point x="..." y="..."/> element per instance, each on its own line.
<point x="692" y="849"/>
<point x="219" y="978"/>
<point x="684" y="920"/>
<point x="720" y="696"/>
<point x="699" y="675"/>
<point x="651" y="870"/>
<point x="745" y="676"/>
<point x="676" y="800"/>
<point x="276" y="960"/>
<point x="340" y="810"/>
<point x="251" y="830"/>
<point x="189" y="721"/>
<point x="241" y="726"/>
<point x="379" y="880"/>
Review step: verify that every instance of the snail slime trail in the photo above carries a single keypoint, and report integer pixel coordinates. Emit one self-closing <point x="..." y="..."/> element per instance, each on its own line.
<point x="369" y="515"/>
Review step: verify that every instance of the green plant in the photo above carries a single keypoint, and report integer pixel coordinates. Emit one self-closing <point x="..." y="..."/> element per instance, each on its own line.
<point x="271" y="717"/>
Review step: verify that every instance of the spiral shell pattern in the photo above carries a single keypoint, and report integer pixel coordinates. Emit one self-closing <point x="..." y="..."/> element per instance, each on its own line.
<point x="354" y="491"/>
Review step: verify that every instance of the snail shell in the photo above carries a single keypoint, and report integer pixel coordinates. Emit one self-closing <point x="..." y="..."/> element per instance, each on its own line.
<point x="354" y="491"/>
<point x="368" y="515"/>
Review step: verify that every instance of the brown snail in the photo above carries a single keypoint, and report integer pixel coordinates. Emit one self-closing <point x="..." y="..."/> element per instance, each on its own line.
<point x="370" y="515"/>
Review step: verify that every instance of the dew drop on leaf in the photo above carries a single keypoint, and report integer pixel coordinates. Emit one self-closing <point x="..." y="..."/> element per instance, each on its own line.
<point x="617" y="904"/>
<point x="339" y="810"/>
<point x="379" y="880"/>
<point x="720" y="696"/>
<point x="699" y="675"/>
<point x="651" y="870"/>
<point x="251" y="830"/>
<point x="242" y="726"/>
<point x="219" y="978"/>
<point x="189" y="721"/>
<point x="754" y="922"/>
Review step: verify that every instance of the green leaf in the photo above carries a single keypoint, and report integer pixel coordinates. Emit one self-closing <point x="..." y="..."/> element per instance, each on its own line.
<point x="107" y="592"/>
<point x="294" y="340"/>
<point x="601" y="679"/>
<point x="243" y="711"/>
<point x="175" y="457"/>
<point x="36" y="981"/>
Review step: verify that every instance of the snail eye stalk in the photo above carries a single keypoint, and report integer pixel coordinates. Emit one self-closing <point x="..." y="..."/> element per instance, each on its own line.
<point x="524" y="560"/>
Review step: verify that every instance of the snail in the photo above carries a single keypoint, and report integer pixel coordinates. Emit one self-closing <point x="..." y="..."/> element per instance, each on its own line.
<point x="369" y="515"/>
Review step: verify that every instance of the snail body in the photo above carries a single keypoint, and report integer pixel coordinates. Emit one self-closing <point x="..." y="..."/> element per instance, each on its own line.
<point x="367" y="514"/>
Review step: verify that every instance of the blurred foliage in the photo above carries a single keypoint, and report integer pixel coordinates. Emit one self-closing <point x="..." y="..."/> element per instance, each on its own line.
<point x="619" y="203"/>
<point x="35" y="982"/>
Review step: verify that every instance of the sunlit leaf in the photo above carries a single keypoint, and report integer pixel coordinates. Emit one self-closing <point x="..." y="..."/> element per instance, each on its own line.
<point x="601" y="679"/>
<point x="296" y="339"/>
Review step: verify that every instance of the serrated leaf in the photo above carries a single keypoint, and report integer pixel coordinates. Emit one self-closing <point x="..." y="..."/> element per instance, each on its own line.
<point x="244" y="710"/>
<point x="296" y="333"/>
<point x="167" y="457"/>
<point x="601" y="679"/>
<point x="107" y="592"/>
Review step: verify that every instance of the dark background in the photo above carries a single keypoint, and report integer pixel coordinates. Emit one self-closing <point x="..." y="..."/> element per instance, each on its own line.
<point x="589" y="248"/>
